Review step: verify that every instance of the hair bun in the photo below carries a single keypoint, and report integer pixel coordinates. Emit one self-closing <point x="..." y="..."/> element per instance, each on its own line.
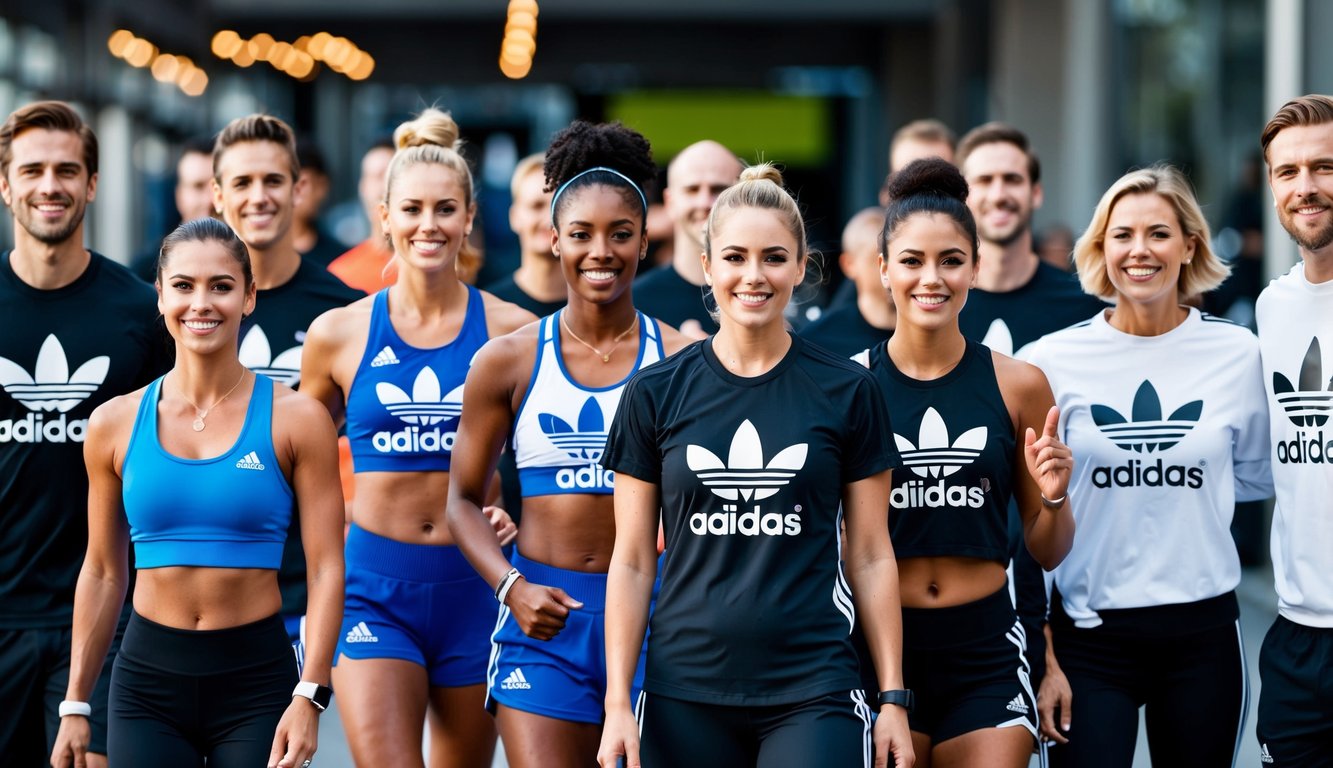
<point x="761" y="172"/>
<point x="431" y="127"/>
<point x="930" y="176"/>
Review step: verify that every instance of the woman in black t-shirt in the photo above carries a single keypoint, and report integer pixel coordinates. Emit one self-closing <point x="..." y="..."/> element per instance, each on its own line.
<point x="754" y="446"/>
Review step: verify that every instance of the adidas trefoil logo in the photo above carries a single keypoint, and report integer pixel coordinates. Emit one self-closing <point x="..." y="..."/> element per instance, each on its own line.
<point x="1146" y="430"/>
<point x="1309" y="403"/>
<point x="1264" y="756"/>
<point x="256" y="354"/>
<point x="584" y="444"/>
<point x="250" y="461"/>
<point x="745" y="477"/>
<point x="361" y="634"/>
<point x="1018" y="705"/>
<point x="516" y="681"/>
<point x="384" y="357"/>
<point x="936" y="457"/>
<point x="51" y="387"/>
<point x="1145" y="433"/>
<point x="425" y="407"/>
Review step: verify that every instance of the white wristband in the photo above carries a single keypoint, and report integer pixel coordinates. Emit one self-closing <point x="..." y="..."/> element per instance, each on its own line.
<point x="506" y="584"/>
<point x="80" y="708"/>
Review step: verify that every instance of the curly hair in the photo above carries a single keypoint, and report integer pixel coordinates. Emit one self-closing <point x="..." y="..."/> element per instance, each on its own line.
<point x="583" y="146"/>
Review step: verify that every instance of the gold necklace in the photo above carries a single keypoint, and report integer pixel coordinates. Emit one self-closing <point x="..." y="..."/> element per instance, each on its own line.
<point x="606" y="356"/>
<point x="201" y="413"/>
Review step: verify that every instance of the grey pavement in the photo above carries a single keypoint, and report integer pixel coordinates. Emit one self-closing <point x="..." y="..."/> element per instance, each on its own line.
<point x="1258" y="608"/>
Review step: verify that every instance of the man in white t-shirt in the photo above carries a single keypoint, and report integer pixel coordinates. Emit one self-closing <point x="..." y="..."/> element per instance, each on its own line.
<point x="1295" y="317"/>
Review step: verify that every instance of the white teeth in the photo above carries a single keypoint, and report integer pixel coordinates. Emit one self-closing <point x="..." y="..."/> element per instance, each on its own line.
<point x="1142" y="271"/>
<point x="1312" y="209"/>
<point x="752" y="297"/>
<point x="202" y="325"/>
<point x="931" y="299"/>
<point x="51" y="208"/>
<point x="599" y="274"/>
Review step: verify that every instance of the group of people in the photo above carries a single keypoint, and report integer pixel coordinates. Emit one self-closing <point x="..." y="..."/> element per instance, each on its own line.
<point x="736" y="546"/>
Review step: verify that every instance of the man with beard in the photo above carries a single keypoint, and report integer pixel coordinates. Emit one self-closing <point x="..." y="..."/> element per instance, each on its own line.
<point x="674" y="293"/>
<point x="79" y="329"/>
<point x="1018" y="298"/>
<point x="1295" y="318"/>
<point x="255" y="177"/>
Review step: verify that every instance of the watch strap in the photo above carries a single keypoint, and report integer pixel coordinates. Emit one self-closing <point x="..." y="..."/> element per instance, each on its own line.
<point x="901" y="698"/>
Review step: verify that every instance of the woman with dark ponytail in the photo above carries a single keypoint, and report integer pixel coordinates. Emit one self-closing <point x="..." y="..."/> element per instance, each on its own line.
<point x="751" y="448"/>
<point x="550" y="390"/>
<point x="975" y="428"/>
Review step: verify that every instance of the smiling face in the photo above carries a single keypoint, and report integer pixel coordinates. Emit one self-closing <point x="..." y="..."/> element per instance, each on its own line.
<point x="1300" y="162"/>
<point x="48" y="187"/>
<point x="928" y="268"/>
<point x="695" y="178"/>
<point x="202" y="295"/>
<point x="427" y="217"/>
<point x="599" y="243"/>
<point x="255" y="192"/>
<point x="753" y="267"/>
<point x="1145" y="247"/>
<point x="1001" y="194"/>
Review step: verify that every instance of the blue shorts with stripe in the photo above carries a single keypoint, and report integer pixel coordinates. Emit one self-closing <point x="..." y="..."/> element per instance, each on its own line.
<point x="417" y="602"/>
<point x="564" y="677"/>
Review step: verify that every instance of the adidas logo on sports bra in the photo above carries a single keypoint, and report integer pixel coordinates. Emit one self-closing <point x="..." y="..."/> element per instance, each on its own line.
<point x="1308" y="404"/>
<point x="1147" y="432"/>
<point x="935" y="457"/>
<point x="421" y="411"/>
<point x="584" y="443"/>
<point x="384" y="357"/>
<point x="51" y="387"/>
<point x="746" y="477"/>
<point x="250" y="461"/>
<point x="256" y="354"/>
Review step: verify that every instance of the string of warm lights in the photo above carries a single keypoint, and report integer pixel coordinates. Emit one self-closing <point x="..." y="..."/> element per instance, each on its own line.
<point x="299" y="59"/>
<point x="520" y="40"/>
<point x="165" y="67"/>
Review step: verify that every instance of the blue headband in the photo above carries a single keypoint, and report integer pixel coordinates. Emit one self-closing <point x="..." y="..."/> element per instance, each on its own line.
<point x="611" y="171"/>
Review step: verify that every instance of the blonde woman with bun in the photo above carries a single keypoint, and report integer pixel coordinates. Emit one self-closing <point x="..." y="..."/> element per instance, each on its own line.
<point x="415" y="635"/>
<point x="751" y="448"/>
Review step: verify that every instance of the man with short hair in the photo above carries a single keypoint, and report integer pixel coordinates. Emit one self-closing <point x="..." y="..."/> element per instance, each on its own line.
<point x="918" y="140"/>
<point x="1295" y="319"/>
<point x="537" y="285"/>
<point x="312" y="240"/>
<point x="255" y="178"/>
<point x="1018" y="298"/>
<point x="79" y="329"/>
<point x="869" y="320"/>
<point x="674" y="293"/>
<point x="363" y="266"/>
<point x="194" y="198"/>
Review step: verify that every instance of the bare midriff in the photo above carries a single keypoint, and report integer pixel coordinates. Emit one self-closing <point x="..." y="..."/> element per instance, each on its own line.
<point x="941" y="582"/>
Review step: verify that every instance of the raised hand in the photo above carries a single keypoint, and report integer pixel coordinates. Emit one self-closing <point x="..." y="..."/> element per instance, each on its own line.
<point x="1050" y="462"/>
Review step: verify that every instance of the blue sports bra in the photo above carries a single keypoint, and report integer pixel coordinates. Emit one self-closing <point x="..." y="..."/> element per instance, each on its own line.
<point x="403" y="408"/>
<point x="560" y="429"/>
<point x="230" y="511"/>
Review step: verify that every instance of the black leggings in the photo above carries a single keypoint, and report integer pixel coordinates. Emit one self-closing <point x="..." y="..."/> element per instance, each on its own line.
<point x="1193" y="686"/>
<point x="180" y="697"/>
<point x="831" y="731"/>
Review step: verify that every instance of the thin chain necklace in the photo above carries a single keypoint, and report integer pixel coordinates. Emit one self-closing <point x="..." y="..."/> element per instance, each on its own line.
<point x="201" y="413"/>
<point x="606" y="356"/>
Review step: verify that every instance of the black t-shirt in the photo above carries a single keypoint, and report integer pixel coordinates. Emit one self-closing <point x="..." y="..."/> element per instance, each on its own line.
<point x="272" y="338"/>
<point x="957" y="442"/>
<point x="1006" y="322"/>
<point x="753" y="608"/>
<point x="63" y="352"/>
<point x="844" y="331"/>
<point x="325" y="250"/>
<point x="508" y="290"/>
<point x="665" y="295"/>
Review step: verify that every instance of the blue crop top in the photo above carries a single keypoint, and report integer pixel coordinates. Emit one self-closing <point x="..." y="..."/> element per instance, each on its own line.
<point x="230" y="511"/>
<point x="560" y="429"/>
<point x="403" y="409"/>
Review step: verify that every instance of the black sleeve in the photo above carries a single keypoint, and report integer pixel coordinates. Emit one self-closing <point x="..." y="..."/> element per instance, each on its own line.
<point x="867" y="446"/>
<point x="632" y="445"/>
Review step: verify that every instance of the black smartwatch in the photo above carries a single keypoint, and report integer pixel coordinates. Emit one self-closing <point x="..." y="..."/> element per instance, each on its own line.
<point x="319" y="695"/>
<point x="902" y="698"/>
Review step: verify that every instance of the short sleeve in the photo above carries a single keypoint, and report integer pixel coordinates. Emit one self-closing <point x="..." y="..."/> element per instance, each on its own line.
<point x="632" y="445"/>
<point x="867" y="447"/>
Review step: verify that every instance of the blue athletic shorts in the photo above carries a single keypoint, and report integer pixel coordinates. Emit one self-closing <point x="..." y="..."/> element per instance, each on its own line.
<point x="418" y="602"/>
<point x="564" y="677"/>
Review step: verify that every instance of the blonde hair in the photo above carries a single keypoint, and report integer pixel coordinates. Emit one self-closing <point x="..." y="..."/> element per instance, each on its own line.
<point x="1202" y="274"/>
<point x="525" y="167"/>
<point x="760" y="186"/>
<point x="433" y="138"/>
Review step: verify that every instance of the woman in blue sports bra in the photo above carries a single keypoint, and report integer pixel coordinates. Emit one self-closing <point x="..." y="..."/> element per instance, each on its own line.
<point x="551" y="390"/>
<point x="200" y="470"/>
<point x="417" y="620"/>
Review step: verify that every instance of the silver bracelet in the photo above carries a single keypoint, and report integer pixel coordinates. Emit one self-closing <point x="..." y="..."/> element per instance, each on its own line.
<point x="506" y="583"/>
<point x="80" y="708"/>
<point x="1054" y="503"/>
